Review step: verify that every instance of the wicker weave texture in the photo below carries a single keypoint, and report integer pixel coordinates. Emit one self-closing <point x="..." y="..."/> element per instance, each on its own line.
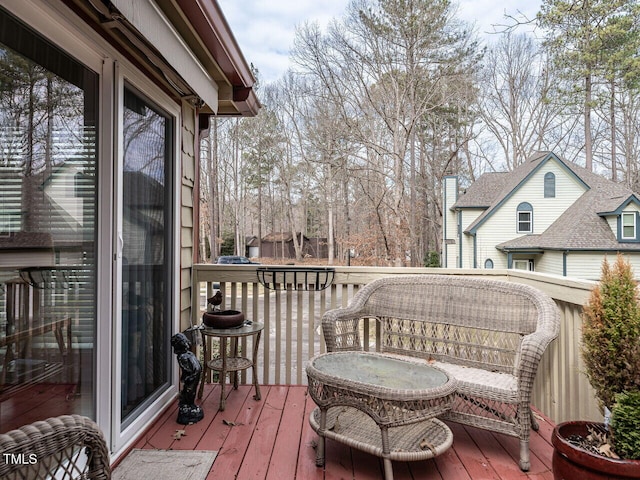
<point x="64" y="447"/>
<point x="489" y="334"/>
<point x="389" y="407"/>
<point x="418" y="441"/>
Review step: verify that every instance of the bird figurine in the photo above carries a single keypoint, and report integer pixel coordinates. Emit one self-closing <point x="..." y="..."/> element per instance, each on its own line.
<point x="215" y="300"/>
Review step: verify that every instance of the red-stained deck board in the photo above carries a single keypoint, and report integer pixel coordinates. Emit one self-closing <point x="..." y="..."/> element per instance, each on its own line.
<point x="503" y="460"/>
<point x="264" y="436"/>
<point x="450" y="466"/>
<point x="153" y="433"/>
<point x="271" y="439"/>
<point x="289" y="436"/>
<point x="476" y="465"/>
<point x="306" y="466"/>
<point x="161" y="438"/>
<point x="194" y="433"/>
<point x="232" y="453"/>
<point x="223" y="422"/>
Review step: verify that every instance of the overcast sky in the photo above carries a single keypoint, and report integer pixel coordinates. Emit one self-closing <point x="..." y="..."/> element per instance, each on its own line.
<point x="265" y="29"/>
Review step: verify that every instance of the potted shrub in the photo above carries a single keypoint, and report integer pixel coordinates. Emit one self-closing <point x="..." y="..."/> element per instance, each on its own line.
<point x="611" y="353"/>
<point x="625" y="425"/>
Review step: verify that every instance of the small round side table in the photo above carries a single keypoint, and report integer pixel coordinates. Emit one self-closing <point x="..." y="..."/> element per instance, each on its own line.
<point x="231" y="362"/>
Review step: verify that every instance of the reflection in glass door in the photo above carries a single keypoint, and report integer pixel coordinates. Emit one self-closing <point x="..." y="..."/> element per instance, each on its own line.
<point x="48" y="212"/>
<point x="146" y="254"/>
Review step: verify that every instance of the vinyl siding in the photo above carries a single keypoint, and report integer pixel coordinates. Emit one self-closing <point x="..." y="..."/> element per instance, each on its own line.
<point x="187" y="152"/>
<point x="468" y="217"/>
<point x="550" y="262"/>
<point x="501" y="226"/>
<point x="588" y="265"/>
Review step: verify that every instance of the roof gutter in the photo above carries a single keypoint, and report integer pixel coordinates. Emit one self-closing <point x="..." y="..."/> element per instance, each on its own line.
<point x="208" y="21"/>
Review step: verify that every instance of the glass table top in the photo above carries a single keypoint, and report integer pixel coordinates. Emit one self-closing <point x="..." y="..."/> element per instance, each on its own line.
<point x="380" y="370"/>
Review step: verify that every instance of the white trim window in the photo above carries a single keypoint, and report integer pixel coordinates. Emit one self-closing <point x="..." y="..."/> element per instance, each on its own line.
<point x="524" y="218"/>
<point x="628" y="227"/>
<point x="523" y="264"/>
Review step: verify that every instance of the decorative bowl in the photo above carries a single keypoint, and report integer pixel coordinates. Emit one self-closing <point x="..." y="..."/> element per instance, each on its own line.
<point x="223" y="319"/>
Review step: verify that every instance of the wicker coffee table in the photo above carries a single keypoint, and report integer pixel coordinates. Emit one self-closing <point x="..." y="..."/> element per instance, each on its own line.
<point x="381" y="405"/>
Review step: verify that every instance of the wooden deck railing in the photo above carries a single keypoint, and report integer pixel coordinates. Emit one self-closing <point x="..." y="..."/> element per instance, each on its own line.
<point x="292" y="326"/>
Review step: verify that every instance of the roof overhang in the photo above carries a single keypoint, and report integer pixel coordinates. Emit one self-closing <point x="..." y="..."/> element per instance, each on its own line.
<point x="626" y="202"/>
<point x="237" y="95"/>
<point x="528" y="250"/>
<point x="185" y="45"/>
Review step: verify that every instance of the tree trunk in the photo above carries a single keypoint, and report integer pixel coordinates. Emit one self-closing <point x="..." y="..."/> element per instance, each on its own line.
<point x="588" y="142"/>
<point x="614" y="166"/>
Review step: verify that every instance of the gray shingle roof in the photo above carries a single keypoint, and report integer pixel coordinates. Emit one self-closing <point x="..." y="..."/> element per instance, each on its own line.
<point x="483" y="192"/>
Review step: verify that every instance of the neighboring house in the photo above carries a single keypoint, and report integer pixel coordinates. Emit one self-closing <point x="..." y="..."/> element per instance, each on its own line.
<point x="252" y="246"/>
<point x="547" y="215"/>
<point x="280" y="245"/>
<point x="100" y="127"/>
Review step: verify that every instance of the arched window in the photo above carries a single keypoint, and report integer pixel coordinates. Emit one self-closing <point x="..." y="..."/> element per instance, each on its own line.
<point x="549" y="185"/>
<point x="488" y="263"/>
<point x="524" y="218"/>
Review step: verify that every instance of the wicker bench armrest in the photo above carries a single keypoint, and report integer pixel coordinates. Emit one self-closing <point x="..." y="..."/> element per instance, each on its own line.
<point x="341" y="328"/>
<point x="534" y="345"/>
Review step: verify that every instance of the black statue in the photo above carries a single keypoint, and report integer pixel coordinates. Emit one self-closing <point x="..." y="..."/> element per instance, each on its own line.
<point x="188" y="411"/>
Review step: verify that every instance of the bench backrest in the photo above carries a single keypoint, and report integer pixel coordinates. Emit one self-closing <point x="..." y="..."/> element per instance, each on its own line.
<point x="468" y="321"/>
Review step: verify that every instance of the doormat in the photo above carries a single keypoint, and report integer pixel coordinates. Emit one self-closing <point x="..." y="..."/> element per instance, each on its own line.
<point x="143" y="464"/>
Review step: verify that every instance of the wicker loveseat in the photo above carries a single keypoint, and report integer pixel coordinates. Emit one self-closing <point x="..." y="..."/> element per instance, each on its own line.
<point x="488" y="334"/>
<point x="65" y="447"/>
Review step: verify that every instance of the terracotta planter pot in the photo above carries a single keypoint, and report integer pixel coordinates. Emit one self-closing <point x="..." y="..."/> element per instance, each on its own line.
<point x="573" y="463"/>
<point x="223" y="319"/>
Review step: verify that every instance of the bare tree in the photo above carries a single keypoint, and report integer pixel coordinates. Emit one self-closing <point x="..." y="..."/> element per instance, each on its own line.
<point x="514" y="104"/>
<point x="386" y="64"/>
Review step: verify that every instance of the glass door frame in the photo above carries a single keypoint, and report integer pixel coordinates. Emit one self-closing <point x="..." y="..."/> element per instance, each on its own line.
<point x="54" y="23"/>
<point x="130" y="78"/>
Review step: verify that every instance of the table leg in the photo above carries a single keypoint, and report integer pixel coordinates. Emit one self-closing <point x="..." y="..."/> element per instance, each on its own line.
<point x="205" y="367"/>
<point x="223" y="373"/>
<point x="321" y="440"/>
<point x="386" y="449"/>
<point x="388" y="469"/>
<point x="234" y="349"/>
<point x="256" y="344"/>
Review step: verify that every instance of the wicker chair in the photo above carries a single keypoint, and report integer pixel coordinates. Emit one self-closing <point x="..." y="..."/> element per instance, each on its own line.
<point x="64" y="447"/>
<point x="488" y="334"/>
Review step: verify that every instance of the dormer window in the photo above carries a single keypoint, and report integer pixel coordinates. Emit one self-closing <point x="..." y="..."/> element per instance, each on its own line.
<point x="549" y="185"/>
<point x="524" y="218"/>
<point x="628" y="226"/>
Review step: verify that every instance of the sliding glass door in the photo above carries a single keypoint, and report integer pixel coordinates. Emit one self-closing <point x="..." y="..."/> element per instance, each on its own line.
<point x="147" y="273"/>
<point x="48" y="229"/>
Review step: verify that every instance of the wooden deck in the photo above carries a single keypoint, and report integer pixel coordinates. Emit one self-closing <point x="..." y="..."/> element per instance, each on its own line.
<point x="272" y="439"/>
